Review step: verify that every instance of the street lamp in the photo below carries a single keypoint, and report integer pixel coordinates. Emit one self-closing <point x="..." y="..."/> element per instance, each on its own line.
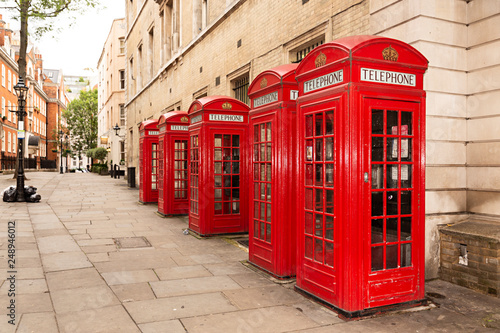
<point x="21" y="90"/>
<point x="117" y="129"/>
<point x="61" y="141"/>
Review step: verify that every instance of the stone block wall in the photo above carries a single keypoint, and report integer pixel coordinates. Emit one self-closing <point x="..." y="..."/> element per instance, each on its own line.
<point x="470" y="256"/>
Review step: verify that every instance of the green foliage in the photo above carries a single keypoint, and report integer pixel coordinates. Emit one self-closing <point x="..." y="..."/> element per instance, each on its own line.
<point x="98" y="167"/>
<point x="81" y="117"/>
<point x="100" y="153"/>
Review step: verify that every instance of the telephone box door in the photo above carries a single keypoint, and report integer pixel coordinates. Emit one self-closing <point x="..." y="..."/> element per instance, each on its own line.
<point x="392" y="218"/>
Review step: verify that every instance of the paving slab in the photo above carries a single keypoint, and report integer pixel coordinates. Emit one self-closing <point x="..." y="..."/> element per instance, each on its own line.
<point x="264" y="320"/>
<point x="182" y="272"/>
<point x="252" y="298"/>
<point x="191" y="286"/>
<point x="178" y="307"/>
<point x="37" y="322"/>
<point x="170" y="326"/>
<point x="57" y="244"/>
<point x="65" y="261"/>
<point x="133" y="292"/>
<point x="74" y="279"/>
<point x="112" y="319"/>
<point x="126" y="277"/>
<point x="69" y="300"/>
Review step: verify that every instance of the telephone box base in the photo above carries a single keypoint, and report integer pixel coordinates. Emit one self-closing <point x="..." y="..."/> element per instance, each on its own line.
<point x="147" y="202"/>
<point x="370" y="312"/>
<point x="194" y="232"/>
<point x="278" y="277"/>
<point x="160" y="214"/>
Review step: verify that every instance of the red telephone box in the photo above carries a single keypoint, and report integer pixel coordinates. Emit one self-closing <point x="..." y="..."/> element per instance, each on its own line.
<point x="272" y="234"/>
<point x="173" y="163"/>
<point x="361" y="119"/>
<point x="218" y="166"/>
<point x="148" y="161"/>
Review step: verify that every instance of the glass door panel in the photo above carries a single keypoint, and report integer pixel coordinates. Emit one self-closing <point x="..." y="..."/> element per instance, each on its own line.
<point x="226" y="174"/>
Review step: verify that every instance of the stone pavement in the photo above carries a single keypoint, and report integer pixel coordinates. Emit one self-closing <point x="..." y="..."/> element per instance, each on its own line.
<point x="73" y="277"/>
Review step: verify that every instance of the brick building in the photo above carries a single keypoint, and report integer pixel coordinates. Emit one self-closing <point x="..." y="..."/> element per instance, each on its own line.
<point x="178" y="51"/>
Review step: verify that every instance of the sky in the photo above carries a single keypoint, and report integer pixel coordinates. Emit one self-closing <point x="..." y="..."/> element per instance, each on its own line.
<point x="79" y="46"/>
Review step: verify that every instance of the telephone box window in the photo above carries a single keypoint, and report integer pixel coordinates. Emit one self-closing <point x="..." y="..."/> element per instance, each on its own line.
<point x="180" y="169"/>
<point x="262" y="181"/>
<point x="154" y="166"/>
<point x="226" y="174"/>
<point x="195" y="161"/>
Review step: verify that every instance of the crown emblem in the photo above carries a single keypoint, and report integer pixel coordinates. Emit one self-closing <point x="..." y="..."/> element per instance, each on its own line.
<point x="195" y="107"/>
<point x="320" y="60"/>
<point x="263" y="83"/>
<point x="227" y="106"/>
<point x="390" y="54"/>
<point x="185" y="119"/>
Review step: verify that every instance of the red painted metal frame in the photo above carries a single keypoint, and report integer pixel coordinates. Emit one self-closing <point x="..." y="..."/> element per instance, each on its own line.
<point x="229" y="214"/>
<point x="148" y="190"/>
<point x="275" y="253"/>
<point x="350" y="285"/>
<point x="173" y="165"/>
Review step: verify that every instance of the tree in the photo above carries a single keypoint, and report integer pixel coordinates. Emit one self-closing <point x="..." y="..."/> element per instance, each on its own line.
<point x="81" y="117"/>
<point x="40" y="11"/>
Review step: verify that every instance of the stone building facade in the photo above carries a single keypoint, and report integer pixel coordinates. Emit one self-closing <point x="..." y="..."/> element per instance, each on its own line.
<point x="178" y="51"/>
<point x="111" y="93"/>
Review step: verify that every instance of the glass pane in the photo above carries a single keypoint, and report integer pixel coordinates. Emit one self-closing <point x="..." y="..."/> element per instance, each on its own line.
<point x="236" y="180"/>
<point x="329" y="227"/>
<point x="256" y="191"/>
<point x="227" y="154"/>
<point x="391" y="230"/>
<point x="227" y="194"/>
<point x="236" y="140"/>
<point x="329" y="254"/>
<point x="236" y="167"/>
<point x="262" y="231"/>
<point x="262" y="151"/>
<point x="392" y="149"/>
<point x="392" y="123"/>
<point x="309" y="150"/>
<point x="256" y="171"/>
<point x="405" y="228"/>
<point x="406" y="150"/>
<point x="236" y="194"/>
<point x="377" y="121"/>
<point x="309" y="126"/>
<point x="406" y="122"/>
<point x="405" y="255"/>
<point x="256" y="133"/>
<point x="263" y="192"/>
<point x="377" y="176"/>
<point x="262" y="211"/>
<point x="329" y="201"/>
<point x="268" y="213"/>
<point x="377" y="231"/>
<point x="256" y="210"/>
<point x="319" y="200"/>
<point x="256" y="153"/>
<point x="328" y="175"/>
<point x="406" y="176"/>
<point x="329" y="123"/>
<point x="406" y="202"/>
<point x="256" y="229"/>
<point x="227" y="140"/>
<point x="392" y="203"/>
<point x="227" y="167"/>
<point x="218" y="140"/>
<point x="218" y="167"/>
<point x="329" y="149"/>
<point x="218" y="208"/>
<point x="218" y="181"/>
<point x="268" y="153"/>
<point x="268" y="228"/>
<point x="308" y="247"/>
<point x="268" y="172"/>
<point x="227" y="181"/>
<point x="309" y="174"/>
<point x="318" y="250"/>
<point x="262" y="172"/>
<point x="377" y="203"/>
<point x="268" y="192"/>
<point x="236" y="207"/>
<point x="218" y="154"/>
<point x="319" y="150"/>
<point x="319" y="174"/>
<point x="236" y="154"/>
<point x="262" y="132"/>
<point x="218" y="194"/>
<point x="309" y="223"/>
<point x="268" y="131"/>
<point x="392" y="256"/>
<point x="319" y="124"/>
<point x="318" y="225"/>
<point x="377" y="258"/>
<point x="377" y="149"/>
<point x="309" y="198"/>
<point x="392" y="176"/>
